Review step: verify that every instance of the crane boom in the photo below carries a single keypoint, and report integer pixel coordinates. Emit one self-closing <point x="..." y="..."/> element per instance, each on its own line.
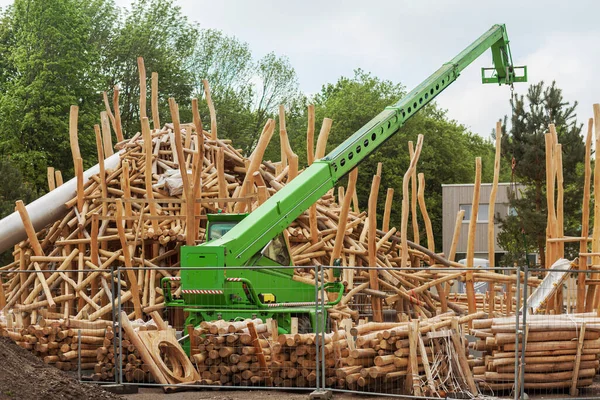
<point x="252" y="234"/>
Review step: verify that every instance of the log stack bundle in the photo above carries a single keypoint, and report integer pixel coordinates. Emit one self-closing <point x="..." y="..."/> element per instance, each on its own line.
<point x="561" y="351"/>
<point x="68" y="345"/>
<point x="232" y="353"/>
<point x="374" y="357"/>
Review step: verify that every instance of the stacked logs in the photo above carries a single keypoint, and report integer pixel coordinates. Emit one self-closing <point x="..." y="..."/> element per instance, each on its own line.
<point x="561" y="351"/>
<point x="68" y="345"/>
<point x="295" y="359"/>
<point x="134" y="369"/>
<point x="412" y="357"/>
<point x="232" y="353"/>
<point x="367" y="357"/>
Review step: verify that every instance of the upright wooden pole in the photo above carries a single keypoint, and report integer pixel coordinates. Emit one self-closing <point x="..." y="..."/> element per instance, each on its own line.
<point x="322" y="140"/>
<point x="106" y="135"/>
<point x="310" y="135"/>
<point x="108" y="111"/>
<point x="211" y="109"/>
<point x="59" y="178"/>
<point x="143" y="89"/>
<point x="341" y="232"/>
<point x="79" y="174"/>
<point x="73" y="140"/>
<point x="372" y="246"/>
<point x="286" y="148"/>
<point x="319" y="153"/>
<point x="148" y="175"/>
<point x="425" y="214"/>
<point x="471" y="239"/>
<point x="118" y="127"/>
<point x="596" y="229"/>
<point x="585" y="218"/>
<point x="413" y="197"/>
<point x="101" y="170"/>
<point x="405" y="202"/>
<point x="221" y="177"/>
<point x="255" y="161"/>
<point x="550" y="257"/>
<point x="457" y="225"/>
<point x="389" y="197"/>
<point x="154" y="102"/>
<point x="492" y="203"/>
<point x="51" y="180"/>
<point x="559" y="228"/>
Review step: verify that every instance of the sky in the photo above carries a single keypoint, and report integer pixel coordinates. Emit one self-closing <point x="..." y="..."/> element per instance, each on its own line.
<point x="405" y="41"/>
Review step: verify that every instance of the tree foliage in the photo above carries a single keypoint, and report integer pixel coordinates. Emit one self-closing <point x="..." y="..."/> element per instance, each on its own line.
<point x="525" y="143"/>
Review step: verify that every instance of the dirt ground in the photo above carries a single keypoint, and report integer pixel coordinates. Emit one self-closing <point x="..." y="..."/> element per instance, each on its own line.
<point x="224" y="394"/>
<point x="24" y="376"/>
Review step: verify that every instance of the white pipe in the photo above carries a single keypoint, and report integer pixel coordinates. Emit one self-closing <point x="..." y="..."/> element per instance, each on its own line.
<point x="47" y="209"/>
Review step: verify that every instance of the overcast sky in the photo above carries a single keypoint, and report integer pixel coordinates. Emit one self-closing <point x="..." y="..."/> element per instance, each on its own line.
<point x="405" y="41"/>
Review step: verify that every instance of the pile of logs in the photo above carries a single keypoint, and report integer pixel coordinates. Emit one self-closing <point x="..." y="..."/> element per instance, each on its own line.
<point x="233" y="353"/>
<point x="561" y="351"/>
<point x="68" y="345"/>
<point x="134" y="370"/>
<point x="367" y="357"/>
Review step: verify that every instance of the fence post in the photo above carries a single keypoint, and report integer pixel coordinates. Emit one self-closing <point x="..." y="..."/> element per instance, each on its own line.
<point x="524" y="329"/>
<point x="120" y="349"/>
<point x="517" y="391"/>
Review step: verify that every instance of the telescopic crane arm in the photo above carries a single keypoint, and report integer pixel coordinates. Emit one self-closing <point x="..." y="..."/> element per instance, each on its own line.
<point x="250" y="236"/>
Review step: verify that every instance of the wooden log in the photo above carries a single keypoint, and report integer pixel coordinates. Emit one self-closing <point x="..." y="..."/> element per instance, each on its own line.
<point x="414" y="383"/>
<point x="117" y="111"/>
<point x="372" y="246"/>
<point x="155" y="230"/>
<point x="154" y="102"/>
<point x="471" y="239"/>
<point x="585" y="218"/>
<point x="574" y="391"/>
<point x="424" y="213"/>
<point x="106" y="135"/>
<point x="211" y="109"/>
<point x="385" y="224"/>
<point x="491" y="240"/>
<point x="405" y="202"/>
<point x="341" y="233"/>
<point x="310" y="135"/>
<point x="73" y="140"/>
<point x="593" y="296"/>
<point x="143" y="88"/>
<point x="413" y="197"/>
<point x="51" y="180"/>
<point x="322" y="140"/>
<point x="255" y="161"/>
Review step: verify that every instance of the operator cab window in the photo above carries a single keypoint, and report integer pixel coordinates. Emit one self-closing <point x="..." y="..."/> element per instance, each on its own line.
<point x="277" y="251"/>
<point x="218" y="229"/>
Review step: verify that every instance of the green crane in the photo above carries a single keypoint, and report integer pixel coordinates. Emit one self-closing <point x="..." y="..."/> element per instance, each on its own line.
<point x="214" y="283"/>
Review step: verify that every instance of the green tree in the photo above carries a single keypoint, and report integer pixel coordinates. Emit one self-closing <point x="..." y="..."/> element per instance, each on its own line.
<point x="50" y="54"/>
<point x="227" y="64"/>
<point x="277" y="85"/>
<point x="525" y="143"/>
<point x="157" y="31"/>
